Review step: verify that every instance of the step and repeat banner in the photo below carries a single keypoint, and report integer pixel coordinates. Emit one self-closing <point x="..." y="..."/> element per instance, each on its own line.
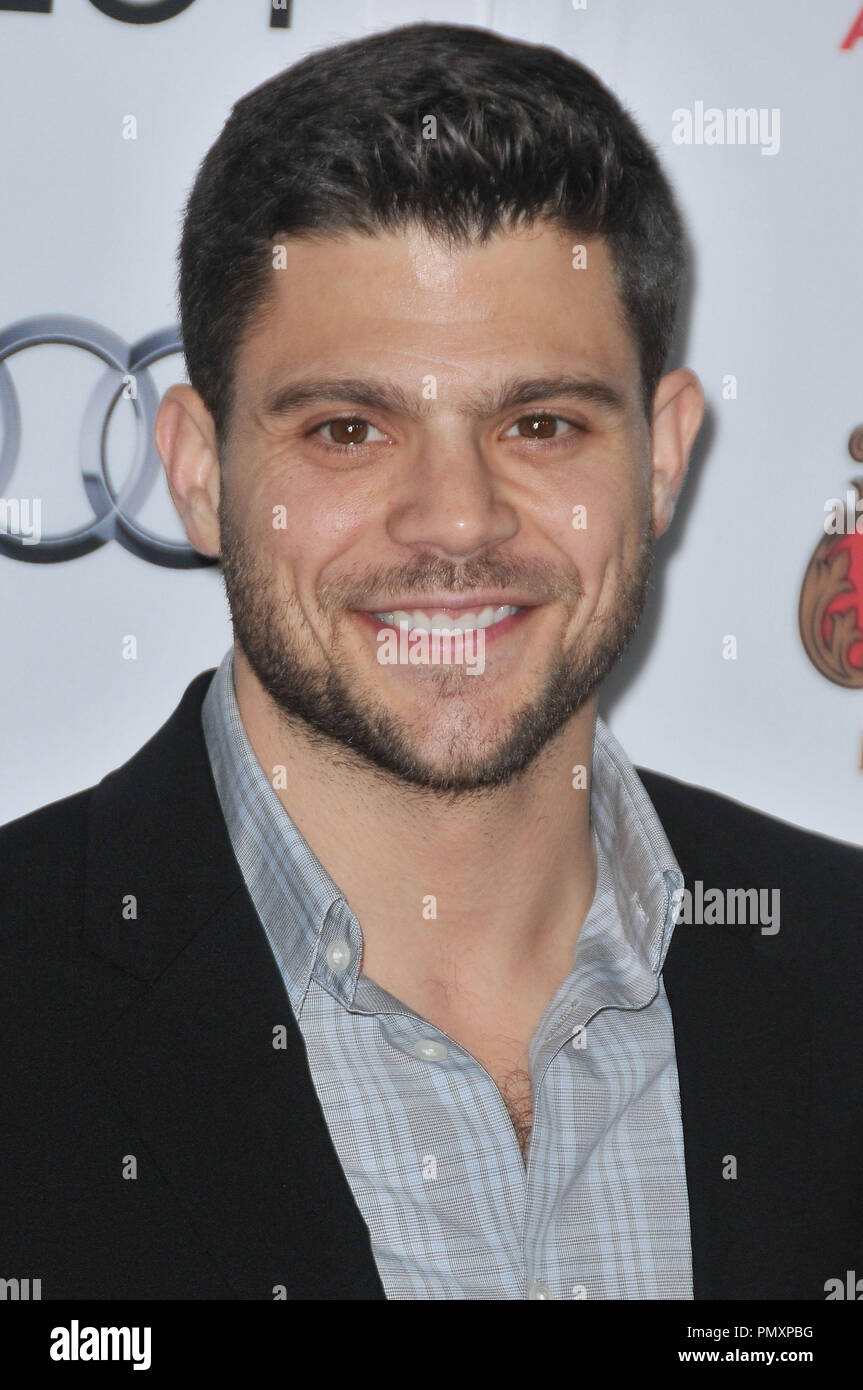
<point x="747" y="672"/>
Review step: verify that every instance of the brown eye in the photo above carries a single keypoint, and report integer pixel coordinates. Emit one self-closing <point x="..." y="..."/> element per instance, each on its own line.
<point x="348" y="431"/>
<point x="541" y="426"/>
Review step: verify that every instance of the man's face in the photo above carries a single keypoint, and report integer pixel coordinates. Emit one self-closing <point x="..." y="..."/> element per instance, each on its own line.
<point x="450" y="494"/>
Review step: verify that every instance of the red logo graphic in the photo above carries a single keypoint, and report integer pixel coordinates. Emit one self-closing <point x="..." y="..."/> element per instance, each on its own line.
<point x="831" y="596"/>
<point x="854" y="33"/>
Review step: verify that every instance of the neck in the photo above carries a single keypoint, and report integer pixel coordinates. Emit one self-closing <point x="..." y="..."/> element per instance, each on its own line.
<point x="440" y="884"/>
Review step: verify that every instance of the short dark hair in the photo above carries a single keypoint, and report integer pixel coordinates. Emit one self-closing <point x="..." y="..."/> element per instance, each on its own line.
<point x="336" y="143"/>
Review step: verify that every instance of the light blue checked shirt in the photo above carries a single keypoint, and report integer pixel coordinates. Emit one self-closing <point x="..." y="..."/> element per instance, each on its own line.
<point x="600" y="1208"/>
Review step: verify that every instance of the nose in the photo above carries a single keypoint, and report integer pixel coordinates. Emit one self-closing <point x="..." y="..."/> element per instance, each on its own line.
<point x="451" y="499"/>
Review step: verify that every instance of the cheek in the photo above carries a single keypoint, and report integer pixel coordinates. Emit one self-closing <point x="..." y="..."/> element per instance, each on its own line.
<point x="319" y="510"/>
<point x="596" y="524"/>
<point x="305" y="529"/>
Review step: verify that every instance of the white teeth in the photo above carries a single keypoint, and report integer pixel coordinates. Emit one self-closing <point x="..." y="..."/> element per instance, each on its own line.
<point x="420" y="621"/>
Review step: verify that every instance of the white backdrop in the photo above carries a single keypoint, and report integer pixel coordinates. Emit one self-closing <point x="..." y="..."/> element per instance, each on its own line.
<point x="90" y="223"/>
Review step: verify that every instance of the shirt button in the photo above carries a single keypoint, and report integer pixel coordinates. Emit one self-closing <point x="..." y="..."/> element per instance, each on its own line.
<point x="539" y="1290"/>
<point x="338" y="956"/>
<point x="430" y="1050"/>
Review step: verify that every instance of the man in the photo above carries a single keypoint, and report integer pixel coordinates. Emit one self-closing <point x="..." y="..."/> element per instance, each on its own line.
<point x="364" y="978"/>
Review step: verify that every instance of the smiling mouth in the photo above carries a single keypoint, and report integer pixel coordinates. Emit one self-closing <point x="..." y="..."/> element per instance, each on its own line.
<point x="443" y="620"/>
<point x="489" y="624"/>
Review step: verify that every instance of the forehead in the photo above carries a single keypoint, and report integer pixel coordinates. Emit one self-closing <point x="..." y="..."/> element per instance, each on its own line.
<point x="409" y="306"/>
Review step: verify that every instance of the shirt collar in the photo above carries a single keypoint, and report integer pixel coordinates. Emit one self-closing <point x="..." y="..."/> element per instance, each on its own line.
<point x="641" y="860"/>
<point x="291" y="890"/>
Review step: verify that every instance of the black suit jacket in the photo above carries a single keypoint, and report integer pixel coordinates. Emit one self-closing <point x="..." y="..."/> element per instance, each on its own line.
<point x="139" y="1039"/>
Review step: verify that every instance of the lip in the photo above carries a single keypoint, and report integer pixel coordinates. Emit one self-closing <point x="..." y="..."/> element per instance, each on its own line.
<point x="455" y="604"/>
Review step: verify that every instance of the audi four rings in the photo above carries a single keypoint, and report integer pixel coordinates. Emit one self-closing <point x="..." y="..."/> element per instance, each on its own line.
<point x="113" y="511"/>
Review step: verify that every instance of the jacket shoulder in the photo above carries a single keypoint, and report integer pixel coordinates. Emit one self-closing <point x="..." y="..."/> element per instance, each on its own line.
<point x="42" y="855"/>
<point x="729" y="845"/>
<point x="737" y="829"/>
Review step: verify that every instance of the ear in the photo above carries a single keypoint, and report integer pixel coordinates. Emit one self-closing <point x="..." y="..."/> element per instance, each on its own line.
<point x="186" y="439"/>
<point x="678" y="410"/>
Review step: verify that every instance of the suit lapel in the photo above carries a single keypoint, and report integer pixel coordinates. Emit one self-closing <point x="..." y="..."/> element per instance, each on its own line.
<point x="232" y="1122"/>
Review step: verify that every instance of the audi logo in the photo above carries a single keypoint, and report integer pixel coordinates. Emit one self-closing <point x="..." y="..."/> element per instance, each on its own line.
<point x="144" y="11"/>
<point x="114" y="512"/>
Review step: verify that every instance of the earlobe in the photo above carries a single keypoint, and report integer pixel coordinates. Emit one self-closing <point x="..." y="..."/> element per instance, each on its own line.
<point x="661" y="500"/>
<point x="185" y="438"/>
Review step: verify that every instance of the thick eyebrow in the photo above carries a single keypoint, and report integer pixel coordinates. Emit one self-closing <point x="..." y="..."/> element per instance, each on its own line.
<point x="390" y="397"/>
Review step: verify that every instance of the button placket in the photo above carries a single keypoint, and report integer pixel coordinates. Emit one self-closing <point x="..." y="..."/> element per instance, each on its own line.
<point x="539" y="1290"/>
<point x="338" y="956"/>
<point x="430" y="1050"/>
